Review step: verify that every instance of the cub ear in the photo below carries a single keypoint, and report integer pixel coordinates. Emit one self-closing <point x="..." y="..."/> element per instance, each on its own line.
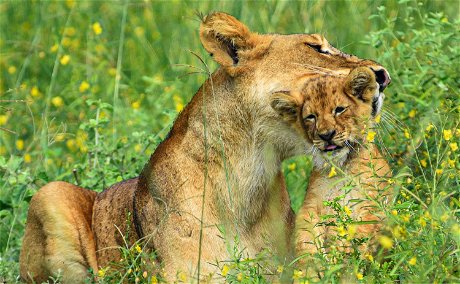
<point x="361" y="83"/>
<point x="286" y="105"/>
<point x="223" y="36"/>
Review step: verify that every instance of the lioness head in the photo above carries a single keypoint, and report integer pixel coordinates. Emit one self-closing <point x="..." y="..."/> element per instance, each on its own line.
<point x="259" y="66"/>
<point x="333" y="115"/>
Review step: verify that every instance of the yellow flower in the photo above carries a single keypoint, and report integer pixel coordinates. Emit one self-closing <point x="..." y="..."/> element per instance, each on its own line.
<point x="84" y="86"/>
<point x="412" y="113"/>
<point x="154" y="280"/>
<point x="66" y="42"/>
<point x="181" y="276"/>
<point x="386" y="242"/>
<point x="3" y="119"/>
<point x="370" y="136"/>
<point x="444" y="217"/>
<point x="394" y="212"/>
<point x="341" y="231"/>
<point x="429" y="127"/>
<point x="2" y="150"/>
<point x="112" y="71"/>
<point x="136" y="105"/>
<point x="139" y="31"/>
<point x="71" y="145"/>
<point x="280" y="269"/>
<point x="34" y="92"/>
<point x="11" y="69"/>
<point x="332" y="173"/>
<point x="27" y="158"/>
<point x="101" y="273"/>
<point x="378" y="118"/>
<point x="138" y="148"/>
<point x="359" y="276"/>
<point x="447" y="134"/>
<point x="59" y="137"/>
<point x="57" y="101"/>
<point x="351" y="231"/>
<point x="65" y="59"/>
<point x="405" y="218"/>
<point x="423" y="163"/>
<point x="453" y="146"/>
<point x="138" y="249"/>
<point x="178" y="102"/>
<point x="291" y="167"/>
<point x="20" y="144"/>
<point x="412" y="261"/>
<point x="54" y="48"/>
<point x="422" y="222"/>
<point x="406" y="133"/>
<point x="347" y="210"/>
<point x="439" y="172"/>
<point x="239" y="277"/>
<point x="97" y="28"/>
<point x="370" y="257"/>
<point x="225" y="270"/>
<point x="297" y="274"/>
<point x="451" y="163"/>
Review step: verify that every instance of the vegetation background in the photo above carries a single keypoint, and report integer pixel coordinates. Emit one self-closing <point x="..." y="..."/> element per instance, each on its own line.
<point x="89" y="88"/>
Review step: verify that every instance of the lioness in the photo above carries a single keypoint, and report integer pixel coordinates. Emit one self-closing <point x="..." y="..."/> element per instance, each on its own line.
<point x="216" y="175"/>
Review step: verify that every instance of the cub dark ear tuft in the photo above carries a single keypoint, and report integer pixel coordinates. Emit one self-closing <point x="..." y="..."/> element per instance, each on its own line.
<point x="223" y="36"/>
<point x="361" y="83"/>
<point x="286" y="105"/>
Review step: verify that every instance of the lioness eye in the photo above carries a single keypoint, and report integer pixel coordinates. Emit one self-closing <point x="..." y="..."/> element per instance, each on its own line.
<point x="339" y="110"/>
<point x="310" y="117"/>
<point x="317" y="47"/>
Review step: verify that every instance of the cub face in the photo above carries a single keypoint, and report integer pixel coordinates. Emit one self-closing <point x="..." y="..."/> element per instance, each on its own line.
<point x="333" y="114"/>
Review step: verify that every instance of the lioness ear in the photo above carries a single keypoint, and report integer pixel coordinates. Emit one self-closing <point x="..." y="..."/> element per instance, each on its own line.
<point x="361" y="83"/>
<point x="223" y="36"/>
<point x="286" y="105"/>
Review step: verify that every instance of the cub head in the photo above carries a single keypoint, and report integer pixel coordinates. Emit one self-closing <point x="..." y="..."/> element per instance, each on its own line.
<point x="333" y="114"/>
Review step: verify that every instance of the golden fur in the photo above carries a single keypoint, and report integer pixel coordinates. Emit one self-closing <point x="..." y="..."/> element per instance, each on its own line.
<point x="335" y="116"/>
<point x="220" y="164"/>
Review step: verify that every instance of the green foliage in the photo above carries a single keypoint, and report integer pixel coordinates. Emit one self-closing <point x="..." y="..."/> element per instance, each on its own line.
<point x="86" y="97"/>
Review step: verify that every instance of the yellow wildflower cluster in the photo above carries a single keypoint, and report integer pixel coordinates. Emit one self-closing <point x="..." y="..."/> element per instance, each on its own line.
<point x="178" y="102"/>
<point x="65" y="59"/>
<point x="386" y="242"/>
<point x="371" y="136"/>
<point x="97" y="28"/>
<point x="84" y="86"/>
<point x="332" y="173"/>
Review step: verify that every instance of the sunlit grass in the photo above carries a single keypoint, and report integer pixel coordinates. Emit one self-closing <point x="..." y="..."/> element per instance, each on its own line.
<point x="86" y="97"/>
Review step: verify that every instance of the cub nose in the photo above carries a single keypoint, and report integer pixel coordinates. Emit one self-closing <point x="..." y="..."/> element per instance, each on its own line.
<point x="383" y="78"/>
<point x="328" y="135"/>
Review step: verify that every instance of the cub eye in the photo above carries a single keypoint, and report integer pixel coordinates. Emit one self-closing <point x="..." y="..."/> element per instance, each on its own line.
<point x="317" y="48"/>
<point x="339" y="110"/>
<point x="310" y="117"/>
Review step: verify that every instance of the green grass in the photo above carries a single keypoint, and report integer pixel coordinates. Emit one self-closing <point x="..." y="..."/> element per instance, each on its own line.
<point x="86" y="96"/>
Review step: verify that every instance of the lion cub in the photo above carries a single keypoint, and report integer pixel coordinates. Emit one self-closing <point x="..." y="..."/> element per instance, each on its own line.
<point x="336" y="116"/>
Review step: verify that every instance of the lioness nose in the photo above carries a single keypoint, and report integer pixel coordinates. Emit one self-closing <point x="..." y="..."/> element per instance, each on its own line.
<point x="383" y="78"/>
<point x="327" y="135"/>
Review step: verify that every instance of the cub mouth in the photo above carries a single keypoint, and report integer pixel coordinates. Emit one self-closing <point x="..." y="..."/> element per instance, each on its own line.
<point x="332" y="147"/>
